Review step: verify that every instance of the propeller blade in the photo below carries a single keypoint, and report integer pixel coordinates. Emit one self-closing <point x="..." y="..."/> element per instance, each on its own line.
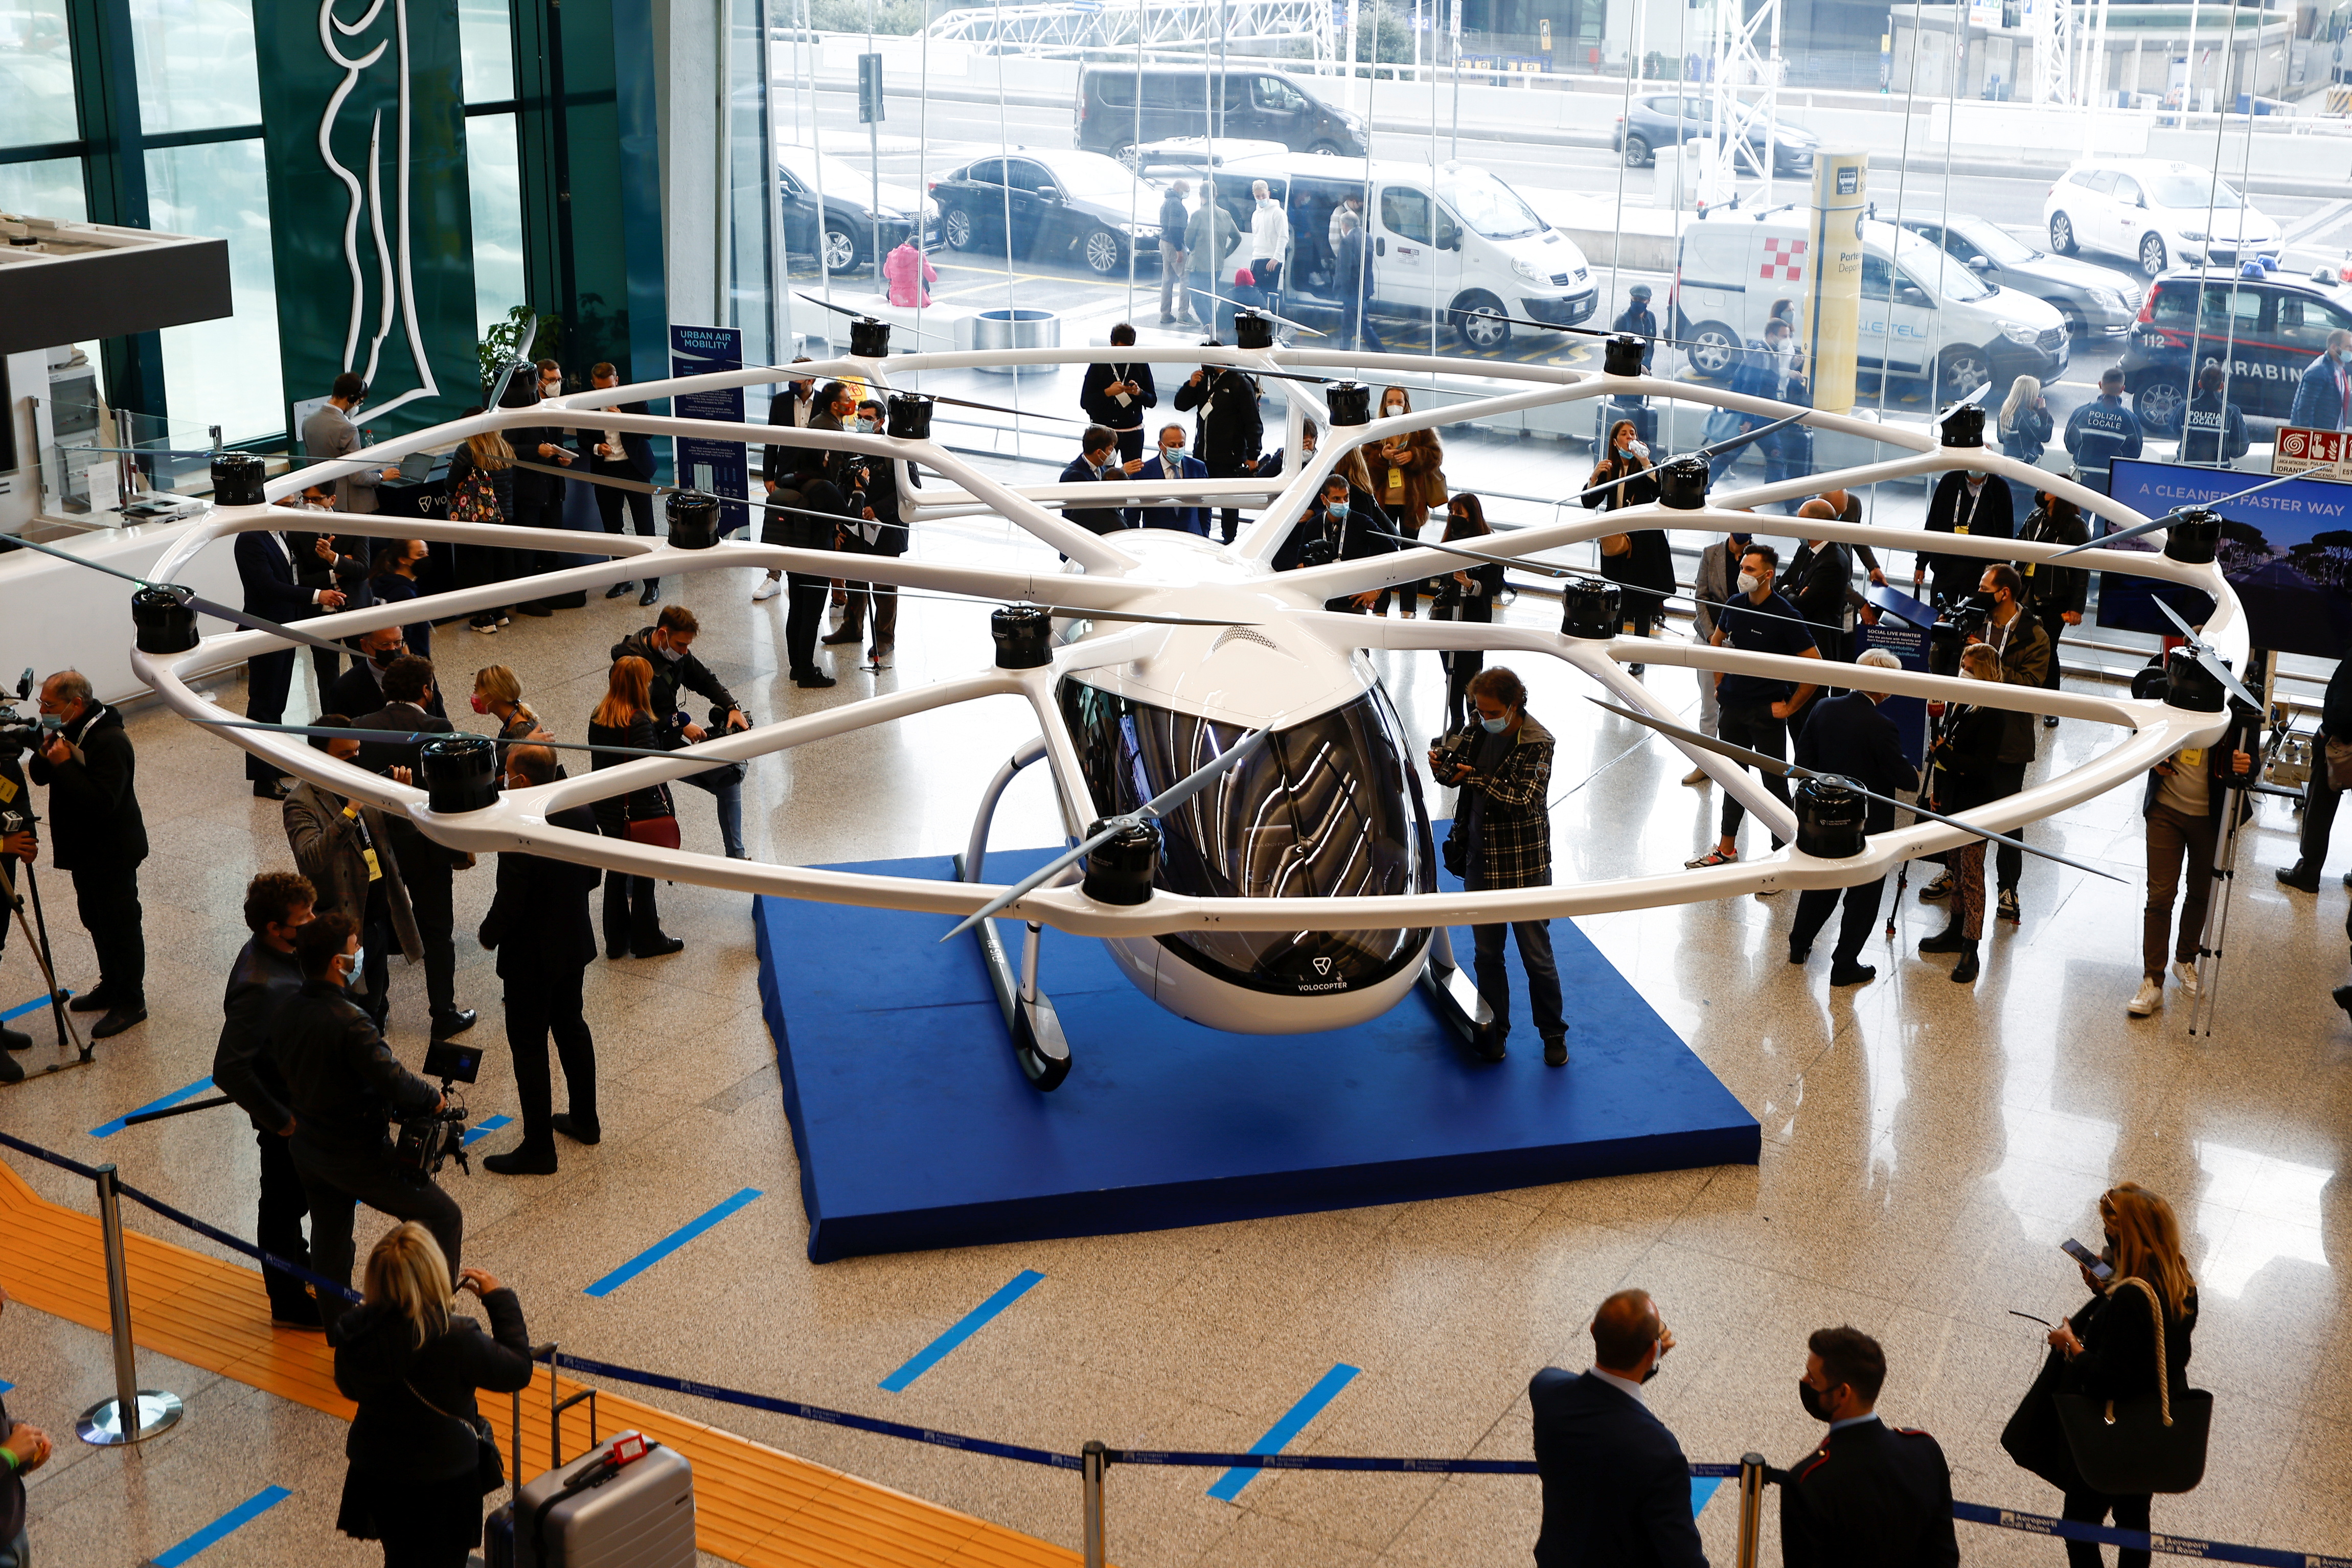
<point x="865" y="316"/>
<point x="1757" y="434"/>
<point x="1473" y="555"/>
<point x="2173" y="516"/>
<point x="2203" y="652"/>
<point x="1000" y="407"/>
<point x="1200" y="777"/>
<point x="1790" y="769"/>
<point x="410" y="736"/>
<point x="1030" y="884"/>
<point x="194" y="601"/>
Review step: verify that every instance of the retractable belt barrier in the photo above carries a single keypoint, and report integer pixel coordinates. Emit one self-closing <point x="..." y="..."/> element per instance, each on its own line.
<point x="1099" y="1457"/>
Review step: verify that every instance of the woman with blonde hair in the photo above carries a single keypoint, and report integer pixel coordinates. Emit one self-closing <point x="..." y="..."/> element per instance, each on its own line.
<point x="2024" y="422"/>
<point x="499" y="694"/>
<point x="631" y="923"/>
<point x="481" y="490"/>
<point x="418" y="1473"/>
<point x="2110" y="1344"/>
<point x="1407" y="477"/>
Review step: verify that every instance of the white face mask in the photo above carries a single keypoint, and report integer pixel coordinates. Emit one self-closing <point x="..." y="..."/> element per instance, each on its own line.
<point x="1749" y="582"/>
<point x="865" y="424"/>
<point x="351" y="975"/>
<point x="1392" y="411"/>
<point x="1172" y="452"/>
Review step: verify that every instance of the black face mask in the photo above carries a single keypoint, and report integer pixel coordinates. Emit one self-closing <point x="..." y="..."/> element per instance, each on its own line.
<point x="1656" y="1367"/>
<point x="1816" y="1404"/>
<point x="382" y="657"/>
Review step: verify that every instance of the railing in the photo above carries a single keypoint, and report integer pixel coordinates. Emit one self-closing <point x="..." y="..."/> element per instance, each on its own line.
<point x="1093" y="1461"/>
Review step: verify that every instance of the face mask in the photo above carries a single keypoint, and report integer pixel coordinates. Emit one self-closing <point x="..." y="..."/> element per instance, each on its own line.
<point x="1749" y="582"/>
<point x="1393" y="411"/>
<point x="672" y="655"/>
<point x="864" y="426"/>
<point x="479" y="705"/>
<point x="2344" y="356"/>
<point x="351" y="975"/>
<point x="382" y="657"/>
<point x="1739" y="543"/>
<point x="1337" y="510"/>
<point x="1495" y="725"/>
<point x="1170" y="453"/>
<point x="1815" y="1405"/>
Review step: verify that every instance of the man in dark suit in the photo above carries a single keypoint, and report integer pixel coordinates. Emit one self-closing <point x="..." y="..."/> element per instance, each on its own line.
<point x="277" y="904"/>
<point x="1817" y="580"/>
<point x="98" y="834"/>
<point x="620" y="455"/>
<point x="1342" y="523"/>
<point x="1616" y="1488"/>
<point x="1098" y="460"/>
<point x="426" y="867"/>
<point x="537" y="925"/>
<point x="1848" y="735"/>
<point x="1871" y="1496"/>
<point x="359" y="689"/>
<point x="274" y="590"/>
<point x="1229" y="432"/>
<point x="1977" y="505"/>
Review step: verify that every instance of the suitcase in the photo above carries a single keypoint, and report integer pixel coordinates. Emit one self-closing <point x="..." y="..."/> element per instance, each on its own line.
<point x="627" y="1503"/>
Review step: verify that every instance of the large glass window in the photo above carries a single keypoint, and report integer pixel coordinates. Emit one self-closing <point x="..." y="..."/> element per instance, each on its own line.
<point x="37" y="103"/>
<point x="485" y="42"/>
<point x="494" y="182"/>
<point x="50" y="188"/>
<point x="223" y="373"/>
<point x="195" y="64"/>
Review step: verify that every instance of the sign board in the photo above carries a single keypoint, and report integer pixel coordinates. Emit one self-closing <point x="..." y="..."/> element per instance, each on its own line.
<point x="2318" y="453"/>
<point x="1908" y="714"/>
<point x="2286" y="552"/>
<point x="722" y="468"/>
<point x="1830" y="319"/>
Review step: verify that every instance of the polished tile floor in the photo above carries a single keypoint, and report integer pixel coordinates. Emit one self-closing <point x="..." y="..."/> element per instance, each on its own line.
<point x="1926" y="1148"/>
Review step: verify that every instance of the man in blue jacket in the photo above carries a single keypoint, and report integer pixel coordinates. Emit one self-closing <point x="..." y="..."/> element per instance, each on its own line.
<point x="1172" y="462"/>
<point x="2322" y="398"/>
<point x="1847" y="734"/>
<point x="2102" y="431"/>
<point x="271" y="577"/>
<point x="1098" y="460"/>
<point x="1616" y="1488"/>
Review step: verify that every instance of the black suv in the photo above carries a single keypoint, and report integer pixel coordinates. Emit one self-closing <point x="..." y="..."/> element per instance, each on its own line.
<point x="2270" y="328"/>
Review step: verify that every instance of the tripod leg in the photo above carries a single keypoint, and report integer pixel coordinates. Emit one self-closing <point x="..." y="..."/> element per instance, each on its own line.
<point x="40" y="943"/>
<point x="2210" y="941"/>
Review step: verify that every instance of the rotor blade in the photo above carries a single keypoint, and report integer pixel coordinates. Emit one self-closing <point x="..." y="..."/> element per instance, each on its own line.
<point x="234" y="617"/>
<point x="868" y="315"/>
<point x="2172" y="516"/>
<point x="1707" y="742"/>
<point x="1029" y="884"/>
<point x="407" y="736"/>
<point x="1741" y="440"/>
<point x="1965" y="827"/>
<point x="1475" y="555"/>
<point x="1000" y="407"/>
<point x="1200" y="777"/>
<point x="2203" y="652"/>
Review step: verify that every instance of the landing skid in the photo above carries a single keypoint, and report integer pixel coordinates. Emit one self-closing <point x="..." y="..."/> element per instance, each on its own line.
<point x="1038" y="1044"/>
<point x="1456" y="995"/>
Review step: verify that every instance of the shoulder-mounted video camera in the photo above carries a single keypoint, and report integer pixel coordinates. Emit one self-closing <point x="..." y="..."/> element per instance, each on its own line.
<point x="428" y="1142"/>
<point x="21" y="732"/>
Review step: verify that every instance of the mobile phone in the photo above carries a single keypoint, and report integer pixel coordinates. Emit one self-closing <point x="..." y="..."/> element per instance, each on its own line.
<point x="2087" y="1258"/>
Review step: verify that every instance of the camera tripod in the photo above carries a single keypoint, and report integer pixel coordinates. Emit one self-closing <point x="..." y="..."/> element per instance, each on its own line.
<point x="2237" y="809"/>
<point x="36" y="934"/>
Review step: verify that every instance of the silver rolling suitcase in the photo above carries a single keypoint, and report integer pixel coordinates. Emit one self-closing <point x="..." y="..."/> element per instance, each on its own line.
<point x="627" y="1503"/>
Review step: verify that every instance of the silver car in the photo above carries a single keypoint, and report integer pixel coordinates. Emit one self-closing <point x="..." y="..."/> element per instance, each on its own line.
<point x="2093" y="299"/>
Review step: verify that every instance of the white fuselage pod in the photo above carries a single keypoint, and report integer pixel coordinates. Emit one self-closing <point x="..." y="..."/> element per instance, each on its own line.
<point x="1330" y="806"/>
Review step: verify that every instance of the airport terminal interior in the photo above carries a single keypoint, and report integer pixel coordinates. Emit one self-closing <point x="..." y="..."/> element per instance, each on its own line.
<point x="876" y="1269"/>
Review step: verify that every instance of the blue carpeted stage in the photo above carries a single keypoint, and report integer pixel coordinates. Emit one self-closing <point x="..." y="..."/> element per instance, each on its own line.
<point x="915" y="1128"/>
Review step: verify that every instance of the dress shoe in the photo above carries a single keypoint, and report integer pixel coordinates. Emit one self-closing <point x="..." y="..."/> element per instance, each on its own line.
<point x="1948" y="940"/>
<point x="578" y="1131"/>
<point x="808" y="679"/>
<point x="618" y="589"/>
<point x="1798" y="953"/>
<point x="534" y="609"/>
<point x="118" y="1019"/>
<point x="270" y="790"/>
<point x="11" y="1070"/>
<point x="15" y="1040"/>
<point x="1965" y="972"/>
<point x="1556" y="1050"/>
<point x="652" y="592"/>
<point x="1851" y="974"/>
<point x="522" y="1160"/>
<point x="616" y="951"/>
<point x="2299" y="877"/>
<point x="97" y="999"/>
<point x="299" y="1313"/>
<point x="447" y="1025"/>
<point x="2343" y="995"/>
<point x="661" y="947"/>
<point x="846" y="634"/>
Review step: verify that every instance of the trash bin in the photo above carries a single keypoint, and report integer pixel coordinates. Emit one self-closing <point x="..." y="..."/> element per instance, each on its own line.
<point x="1016" y="328"/>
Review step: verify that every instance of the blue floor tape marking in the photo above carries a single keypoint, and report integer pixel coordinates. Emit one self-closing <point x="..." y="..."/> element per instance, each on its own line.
<point x="5" y="1385"/>
<point x="235" y="1519"/>
<point x="1702" y="1490"/>
<point x="1278" y="1437"/>
<point x="486" y="1127"/>
<point x="669" y="1244"/>
<point x="21" y="1008"/>
<point x="199" y="1086"/>
<point x="972" y="1324"/>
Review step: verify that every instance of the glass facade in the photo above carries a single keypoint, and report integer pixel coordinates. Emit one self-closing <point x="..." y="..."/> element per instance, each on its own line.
<point x="50" y="188"/>
<point x="223" y="373"/>
<point x="195" y="65"/>
<point x="37" y="81"/>
<point x="494" y="183"/>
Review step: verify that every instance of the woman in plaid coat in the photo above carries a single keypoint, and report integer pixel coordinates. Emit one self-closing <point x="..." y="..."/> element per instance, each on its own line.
<point x="1502" y="838"/>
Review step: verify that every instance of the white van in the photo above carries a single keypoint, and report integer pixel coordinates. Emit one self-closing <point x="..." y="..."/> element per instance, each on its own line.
<point x="1453" y="240"/>
<point x="1922" y="312"/>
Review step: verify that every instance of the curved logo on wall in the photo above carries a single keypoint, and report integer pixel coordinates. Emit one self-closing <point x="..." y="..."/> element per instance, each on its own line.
<point x="363" y="119"/>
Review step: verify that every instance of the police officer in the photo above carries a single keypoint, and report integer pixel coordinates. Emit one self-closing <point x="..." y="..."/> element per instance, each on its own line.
<point x="1870" y="1494"/>
<point x="2102" y="431"/>
<point x="1636" y="318"/>
<point x="345" y="1087"/>
<point x="2213" y="432"/>
<point x="277" y="904"/>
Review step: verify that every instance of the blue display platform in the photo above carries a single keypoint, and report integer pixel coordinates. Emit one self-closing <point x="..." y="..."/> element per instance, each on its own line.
<point x="915" y="1128"/>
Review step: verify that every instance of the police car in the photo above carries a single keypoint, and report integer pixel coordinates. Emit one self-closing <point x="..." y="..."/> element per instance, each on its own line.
<point x="2263" y="326"/>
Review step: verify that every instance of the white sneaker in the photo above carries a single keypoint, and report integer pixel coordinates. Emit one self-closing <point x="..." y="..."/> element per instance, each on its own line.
<point x="2147" y="998"/>
<point x="769" y="588"/>
<point x="2186" y="972"/>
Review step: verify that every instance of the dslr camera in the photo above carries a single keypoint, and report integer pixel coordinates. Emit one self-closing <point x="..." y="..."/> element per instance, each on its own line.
<point x="427" y="1143"/>
<point x="1453" y="751"/>
<point x="21" y="732"/>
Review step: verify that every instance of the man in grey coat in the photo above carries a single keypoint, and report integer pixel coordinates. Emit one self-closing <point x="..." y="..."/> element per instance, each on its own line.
<point x="329" y="433"/>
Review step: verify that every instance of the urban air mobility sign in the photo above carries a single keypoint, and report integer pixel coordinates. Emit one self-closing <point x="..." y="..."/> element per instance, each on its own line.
<point x="364" y="126"/>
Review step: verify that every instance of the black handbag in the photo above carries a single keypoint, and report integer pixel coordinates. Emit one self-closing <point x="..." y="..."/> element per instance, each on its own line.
<point x="2152" y="1442"/>
<point x="2035" y="1437"/>
<point x="490" y="1469"/>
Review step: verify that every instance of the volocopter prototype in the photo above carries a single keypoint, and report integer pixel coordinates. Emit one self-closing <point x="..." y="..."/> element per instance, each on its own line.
<point x="1252" y="842"/>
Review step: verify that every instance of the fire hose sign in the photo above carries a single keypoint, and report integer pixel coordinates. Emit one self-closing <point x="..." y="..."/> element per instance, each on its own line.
<point x="2315" y="454"/>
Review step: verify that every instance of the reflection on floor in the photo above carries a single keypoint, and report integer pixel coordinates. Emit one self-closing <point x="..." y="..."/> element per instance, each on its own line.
<point x="1926" y="1146"/>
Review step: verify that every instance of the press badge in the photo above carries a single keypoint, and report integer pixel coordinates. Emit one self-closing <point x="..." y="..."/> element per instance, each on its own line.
<point x="8" y="791"/>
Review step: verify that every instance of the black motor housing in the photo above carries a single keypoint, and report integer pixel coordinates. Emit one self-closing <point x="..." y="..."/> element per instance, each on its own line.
<point x="165" y="624"/>
<point x="2193" y="540"/>
<point x="1587" y="609"/>
<point x="693" y="519"/>
<point x="460" y="772"/>
<point x="1682" y="483"/>
<point x="1024" y="637"/>
<point x="237" y="479"/>
<point x="1830" y="814"/>
<point x="1119" y="870"/>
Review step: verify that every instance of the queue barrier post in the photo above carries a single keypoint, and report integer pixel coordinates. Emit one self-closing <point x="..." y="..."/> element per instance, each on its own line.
<point x="1095" y="1459"/>
<point x="134" y="1413"/>
<point x="1751" y="1507"/>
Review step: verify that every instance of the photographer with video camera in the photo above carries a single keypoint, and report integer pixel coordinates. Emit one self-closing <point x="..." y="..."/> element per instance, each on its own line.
<point x="97" y="834"/>
<point x="277" y="903"/>
<point x="345" y="1088"/>
<point x="19" y="843"/>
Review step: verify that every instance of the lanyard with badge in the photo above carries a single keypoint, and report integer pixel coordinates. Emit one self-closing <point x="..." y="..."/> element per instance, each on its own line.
<point x="367" y="839"/>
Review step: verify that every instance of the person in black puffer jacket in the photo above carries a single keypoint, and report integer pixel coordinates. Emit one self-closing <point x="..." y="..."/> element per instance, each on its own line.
<point x="415" y="1482"/>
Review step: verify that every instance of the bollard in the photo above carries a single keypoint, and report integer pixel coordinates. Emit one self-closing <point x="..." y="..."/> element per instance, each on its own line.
<point x="1095" y="1459"/>
<point x="134" y="1413"/>
<point x="1751" y="1506"/>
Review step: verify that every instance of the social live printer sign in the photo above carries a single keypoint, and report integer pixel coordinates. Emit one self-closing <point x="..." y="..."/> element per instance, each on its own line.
<point x="721" y="468"/>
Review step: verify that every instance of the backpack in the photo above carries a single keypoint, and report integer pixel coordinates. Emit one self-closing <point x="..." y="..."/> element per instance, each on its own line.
<point x="475" y="500"/>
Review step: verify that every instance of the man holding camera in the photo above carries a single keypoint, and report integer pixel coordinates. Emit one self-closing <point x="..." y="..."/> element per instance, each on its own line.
<point x="277" y="903"/>
<point x="1503" y="827"/>
<point x="345" y="1087"/>
<point x="668" y="645"/>
<point x="98" y="836"/>
<point x="538" y="926"/>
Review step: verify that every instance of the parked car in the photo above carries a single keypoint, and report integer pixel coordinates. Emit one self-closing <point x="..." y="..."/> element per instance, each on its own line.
<point x="1461" y="245"/>
<point x="1651" y="123"/>
<point x="1058" y="203"/>
<point x="1120" y="106"/>
<point x="1921" y="314"/>
<point x="852" y="200"/>
<point x="2090" y="297"/>
<point x="2263" y="331"/>
<point x="2160" y="214"/>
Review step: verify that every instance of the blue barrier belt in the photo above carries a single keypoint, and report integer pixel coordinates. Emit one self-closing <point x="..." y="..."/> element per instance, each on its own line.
<point x="1972" y="1512"/>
